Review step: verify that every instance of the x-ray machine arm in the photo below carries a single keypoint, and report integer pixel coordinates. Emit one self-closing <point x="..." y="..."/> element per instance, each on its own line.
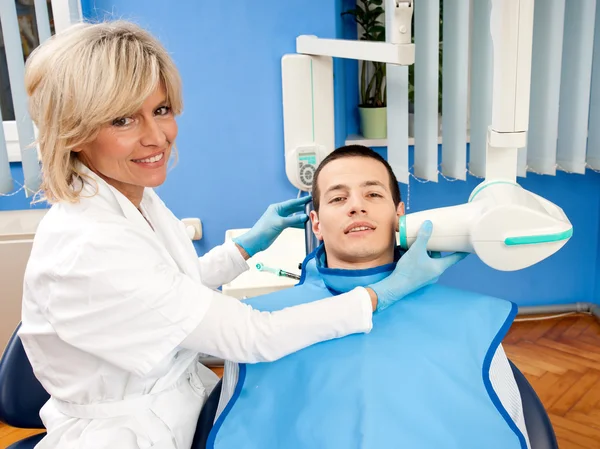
<point x="508" y="227"/>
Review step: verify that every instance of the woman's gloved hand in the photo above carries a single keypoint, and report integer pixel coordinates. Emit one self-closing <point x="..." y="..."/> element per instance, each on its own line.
<point x="415" y="269"/>
<point x="276" y="218"/>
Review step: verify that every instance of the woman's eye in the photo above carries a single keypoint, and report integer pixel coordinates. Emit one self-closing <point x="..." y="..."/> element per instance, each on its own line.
<point x="163" y="110"/>
<point x="124" y="121"/>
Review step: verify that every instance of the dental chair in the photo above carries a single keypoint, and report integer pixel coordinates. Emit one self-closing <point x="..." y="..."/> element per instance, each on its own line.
<point x="537" y="421"/>
<point x="21" y="395"/>
<point x="539" y="428"/>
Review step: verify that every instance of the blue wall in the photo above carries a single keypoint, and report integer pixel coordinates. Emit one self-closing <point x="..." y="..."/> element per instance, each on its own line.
<point x="231" y="133"/>
<point x="231" y="136"/>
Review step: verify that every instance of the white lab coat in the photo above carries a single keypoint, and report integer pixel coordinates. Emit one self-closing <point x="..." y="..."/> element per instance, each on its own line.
<point x="110" y="305"/>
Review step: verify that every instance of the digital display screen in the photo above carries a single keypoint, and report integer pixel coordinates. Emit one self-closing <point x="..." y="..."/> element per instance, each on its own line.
<point x="309" y="158"/>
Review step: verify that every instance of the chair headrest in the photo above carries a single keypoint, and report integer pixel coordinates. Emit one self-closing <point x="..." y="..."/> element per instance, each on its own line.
<point x="21" y="394"/>
<point x="539" y="428"/>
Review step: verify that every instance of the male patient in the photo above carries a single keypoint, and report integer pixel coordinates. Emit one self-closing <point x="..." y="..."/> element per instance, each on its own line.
<point x="431" y="374"/>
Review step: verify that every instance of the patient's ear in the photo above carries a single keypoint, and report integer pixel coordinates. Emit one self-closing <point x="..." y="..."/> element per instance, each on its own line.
<point x="399" y="213"/>
<point x="316" y="224"/>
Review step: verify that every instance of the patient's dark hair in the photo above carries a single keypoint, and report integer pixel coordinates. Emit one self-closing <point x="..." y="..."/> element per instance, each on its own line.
<point x="354" y="151"/>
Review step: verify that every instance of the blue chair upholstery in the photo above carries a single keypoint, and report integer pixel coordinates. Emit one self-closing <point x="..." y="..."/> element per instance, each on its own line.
<point x="207" y="417"/>
<point x="27" y="443"/>
<point x="21" y="394"/>
<point x="539" y="428"/>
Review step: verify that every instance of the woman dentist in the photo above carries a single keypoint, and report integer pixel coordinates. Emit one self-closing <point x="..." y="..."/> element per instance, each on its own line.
<point x="117" y="306"/>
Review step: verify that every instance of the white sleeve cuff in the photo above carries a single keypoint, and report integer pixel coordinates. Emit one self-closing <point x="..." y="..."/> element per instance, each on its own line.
<point x="221" y="265"/>
<point x="367" y="307"/>
<point x="236" y="256"/>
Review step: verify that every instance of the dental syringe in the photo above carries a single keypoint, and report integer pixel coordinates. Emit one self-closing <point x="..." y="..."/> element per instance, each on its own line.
<point x="276" y="271"/>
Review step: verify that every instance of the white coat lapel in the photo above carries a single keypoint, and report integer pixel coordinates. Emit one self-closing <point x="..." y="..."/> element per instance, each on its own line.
<point x="107" y="192"/>
<point x="171" y="232"/>
<point x="166" y="229"/>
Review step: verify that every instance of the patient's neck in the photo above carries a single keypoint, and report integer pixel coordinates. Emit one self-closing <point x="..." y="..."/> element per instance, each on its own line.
<point x="359" y="261"/>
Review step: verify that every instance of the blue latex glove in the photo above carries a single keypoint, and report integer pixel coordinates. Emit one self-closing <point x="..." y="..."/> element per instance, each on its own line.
<point x="415" y="269"/>
<point x="276" y="218"/>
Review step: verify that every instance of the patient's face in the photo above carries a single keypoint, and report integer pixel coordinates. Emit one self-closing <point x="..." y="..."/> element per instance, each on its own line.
<point x="357" y="218"/>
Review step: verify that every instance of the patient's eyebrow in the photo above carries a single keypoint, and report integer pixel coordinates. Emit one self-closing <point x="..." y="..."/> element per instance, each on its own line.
<point x="337" y="187"/>
<point x="364" y="184"/>
<point x="372" y="183"/>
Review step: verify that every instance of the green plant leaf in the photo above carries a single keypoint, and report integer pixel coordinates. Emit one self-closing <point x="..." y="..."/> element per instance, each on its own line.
<point x="373" y="90"/>
<point x="356" y="15"/>
<point x="361" y="11"/>
<point x="378" y="32"/>
<point x="372" y="15"/>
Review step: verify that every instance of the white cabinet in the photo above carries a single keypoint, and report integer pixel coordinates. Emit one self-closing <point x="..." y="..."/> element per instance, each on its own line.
<point x="17" y="229"/>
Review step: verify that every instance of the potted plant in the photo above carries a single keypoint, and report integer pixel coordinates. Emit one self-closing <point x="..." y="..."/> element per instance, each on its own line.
<point x="372" y="107"/>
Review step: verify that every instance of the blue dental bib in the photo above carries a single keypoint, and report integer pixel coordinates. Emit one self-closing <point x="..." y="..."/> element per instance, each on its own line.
<point x="418" y="380"/>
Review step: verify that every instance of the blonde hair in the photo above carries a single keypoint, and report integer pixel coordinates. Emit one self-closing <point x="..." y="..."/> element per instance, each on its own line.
<point x="83" y="78"/>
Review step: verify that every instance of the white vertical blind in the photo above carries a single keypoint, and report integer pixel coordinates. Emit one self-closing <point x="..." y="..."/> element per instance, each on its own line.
<point x="426" y="19"/>
<point x="6" y="182"/>
<point x="593" y="147"/>
<point x="41" y="17"/>
<point x="397" y="105"/>
<point x="546" y="63"/>
<point x="455" y="77"/>
<point x="481" y="85"/>
<point x="17" y="137"/>
<point x="66" y="12"/>
<point x="397" y="120"/>
<point x="578" y="41"/>
<point x="16" y="74"/>
<point x="564" y="96"/>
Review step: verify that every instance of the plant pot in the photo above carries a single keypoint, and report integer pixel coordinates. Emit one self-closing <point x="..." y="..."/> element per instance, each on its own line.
<point x="373" y="122"/>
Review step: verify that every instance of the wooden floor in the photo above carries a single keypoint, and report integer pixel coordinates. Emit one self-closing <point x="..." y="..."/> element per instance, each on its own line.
<point x="561" y="359"/>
